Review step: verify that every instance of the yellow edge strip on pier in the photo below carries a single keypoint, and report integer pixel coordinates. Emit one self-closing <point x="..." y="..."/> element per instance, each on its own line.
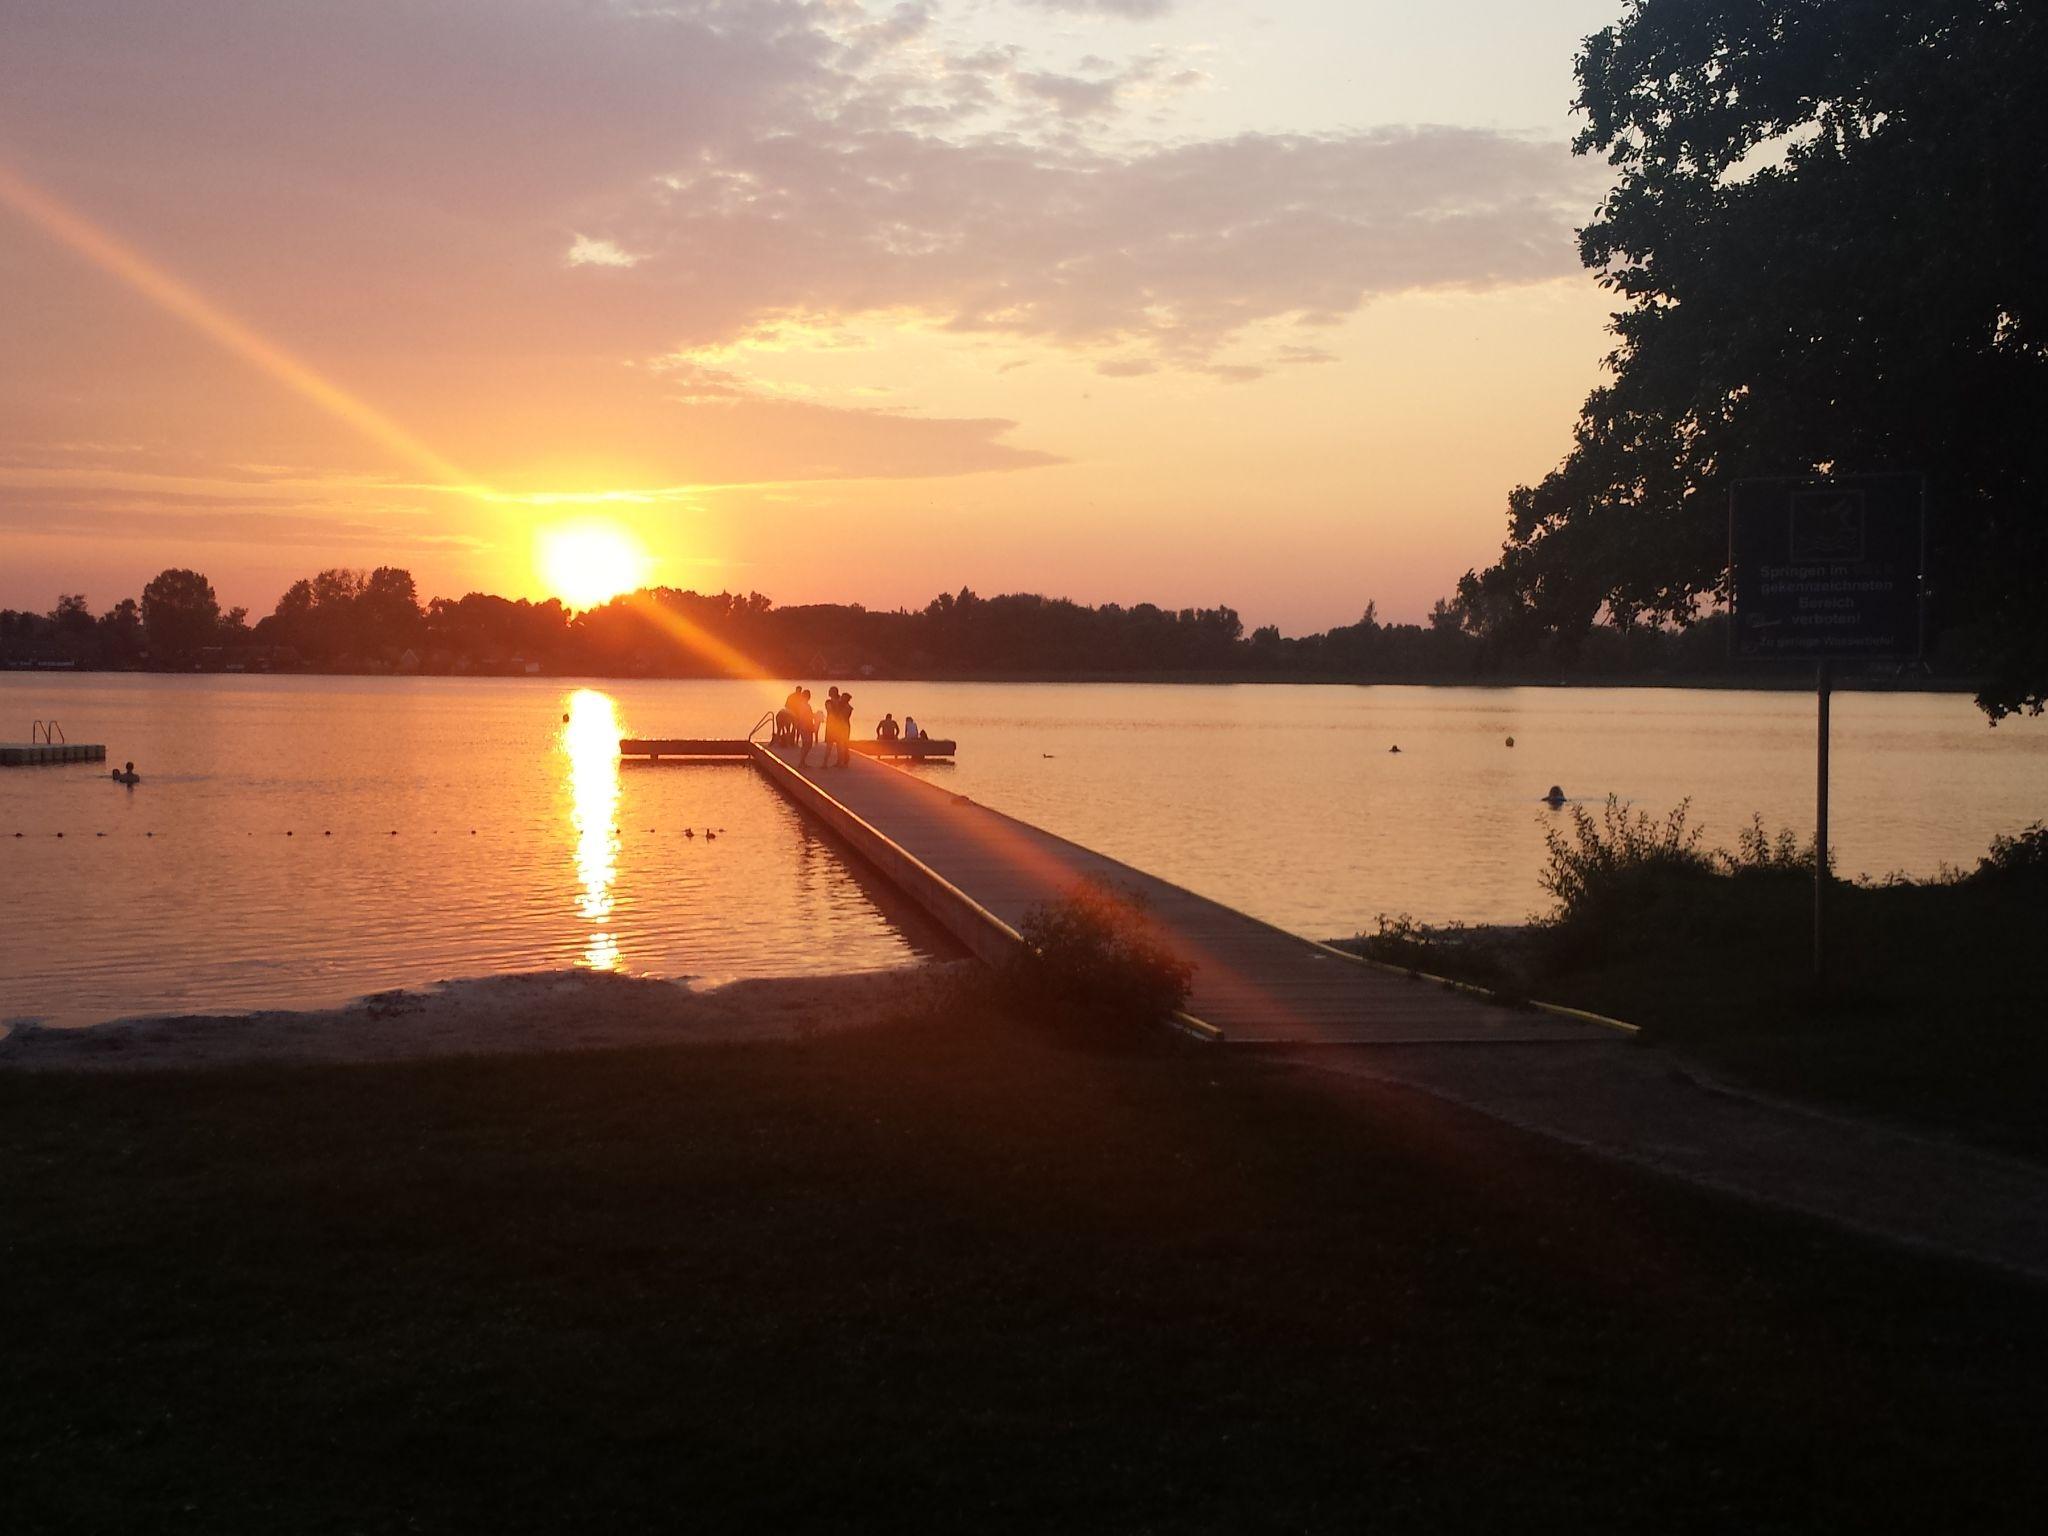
<point x="1558" y="1010"/>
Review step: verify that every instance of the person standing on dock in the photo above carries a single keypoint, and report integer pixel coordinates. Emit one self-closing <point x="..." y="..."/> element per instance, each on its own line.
<point x="806" y="724"/>
<point x="844" y="729"/>
<point x="835" y="708"/>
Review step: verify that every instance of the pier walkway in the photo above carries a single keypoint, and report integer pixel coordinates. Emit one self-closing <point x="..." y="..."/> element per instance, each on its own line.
<point x="978" y="872"/>
<point x="1567" y="1077"/>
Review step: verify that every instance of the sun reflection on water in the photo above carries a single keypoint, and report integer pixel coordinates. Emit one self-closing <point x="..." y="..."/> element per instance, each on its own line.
<point x="590" y="738"/>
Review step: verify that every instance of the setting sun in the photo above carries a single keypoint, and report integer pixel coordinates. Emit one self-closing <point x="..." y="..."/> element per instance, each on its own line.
<point x="585" y="564"/>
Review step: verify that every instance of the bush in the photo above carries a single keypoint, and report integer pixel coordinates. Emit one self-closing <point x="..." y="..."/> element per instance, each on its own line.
<point x="1398" y="941"/>
<point x="1602" y="860"/>
<point x="1757" y="852"/>
<point x="2019" y="862"/>
<point x="1094" y="953"/>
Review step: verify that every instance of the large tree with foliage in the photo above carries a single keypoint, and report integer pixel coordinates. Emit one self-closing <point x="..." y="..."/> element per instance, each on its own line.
<point x="1831" y="239"/>
<point x="180" y="614"/>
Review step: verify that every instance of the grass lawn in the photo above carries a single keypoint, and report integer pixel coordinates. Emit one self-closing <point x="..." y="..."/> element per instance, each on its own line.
<point x="945" y="1276"/>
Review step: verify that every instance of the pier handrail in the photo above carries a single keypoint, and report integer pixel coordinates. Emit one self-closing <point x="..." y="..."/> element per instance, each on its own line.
<point x="766" y="719"/>
<point x="42" y="730"/>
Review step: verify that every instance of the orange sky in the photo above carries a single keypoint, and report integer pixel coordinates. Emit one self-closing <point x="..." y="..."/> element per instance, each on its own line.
<point x="828" y="300"/>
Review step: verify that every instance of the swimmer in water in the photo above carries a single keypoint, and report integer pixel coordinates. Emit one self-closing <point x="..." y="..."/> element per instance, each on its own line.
<point x="1555" y="798"/>
<point x="127" y="775"/>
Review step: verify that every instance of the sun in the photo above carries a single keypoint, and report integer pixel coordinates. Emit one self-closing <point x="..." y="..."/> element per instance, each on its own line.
<point x="588" y="563"/>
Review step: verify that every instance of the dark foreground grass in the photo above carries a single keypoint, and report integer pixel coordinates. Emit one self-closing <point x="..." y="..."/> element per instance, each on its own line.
<point x="946" y="1277"/>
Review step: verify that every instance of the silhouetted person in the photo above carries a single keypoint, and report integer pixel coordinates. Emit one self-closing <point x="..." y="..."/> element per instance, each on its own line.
<point x="910" y="729"/>
<point x="806" y="726"/>
<point x="127" y="775"/>
<point x="828" y="726"/>
<point x="844" y="729"/>
<point x="887" y="730"/>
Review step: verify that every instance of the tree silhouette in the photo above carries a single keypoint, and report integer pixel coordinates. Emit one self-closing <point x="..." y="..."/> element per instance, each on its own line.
<point x="179" y="613"/>
<point x="1828" y="236"/>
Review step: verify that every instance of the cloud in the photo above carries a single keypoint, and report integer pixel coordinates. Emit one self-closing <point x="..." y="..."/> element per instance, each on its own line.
<point x="1134" y="10"/>
<point x="1071" y="94"/>
<point x="586" y="252"/>
<point x="722" y="166"/>
<point x="1126" y="367"/>
<point x="130" y="518"/>
<point x="1174" y="250"/>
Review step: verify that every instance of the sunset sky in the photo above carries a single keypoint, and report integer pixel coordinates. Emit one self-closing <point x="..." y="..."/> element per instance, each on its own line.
<point x="1189" y="301"/>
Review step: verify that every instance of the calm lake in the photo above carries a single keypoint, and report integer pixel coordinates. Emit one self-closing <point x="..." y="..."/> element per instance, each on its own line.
<point x="299" y="841"/>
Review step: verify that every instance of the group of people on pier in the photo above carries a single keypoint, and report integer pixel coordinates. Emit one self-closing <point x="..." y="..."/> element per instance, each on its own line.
<point x="801" y="724"/>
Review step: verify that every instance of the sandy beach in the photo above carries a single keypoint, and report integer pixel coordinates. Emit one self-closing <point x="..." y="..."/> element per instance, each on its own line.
<point x="535" y="1012"/>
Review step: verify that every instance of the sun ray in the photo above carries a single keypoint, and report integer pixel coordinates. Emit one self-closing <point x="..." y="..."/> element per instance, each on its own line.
<point x="83" y="238"/>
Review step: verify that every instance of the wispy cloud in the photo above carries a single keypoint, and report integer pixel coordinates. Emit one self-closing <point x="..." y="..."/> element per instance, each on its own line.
<point x="586" y="252"/>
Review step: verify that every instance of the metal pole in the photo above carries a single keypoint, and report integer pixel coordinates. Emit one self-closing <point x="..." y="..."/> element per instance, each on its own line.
<point x="1823" y="684"/>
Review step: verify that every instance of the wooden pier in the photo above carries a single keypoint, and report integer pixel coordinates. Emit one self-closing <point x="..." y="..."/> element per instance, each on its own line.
<point x="30" y="754"/>
<point x="978" y="872"/>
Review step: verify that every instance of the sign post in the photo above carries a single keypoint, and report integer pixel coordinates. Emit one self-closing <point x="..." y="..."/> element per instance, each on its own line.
<point x="1823" y="569"/>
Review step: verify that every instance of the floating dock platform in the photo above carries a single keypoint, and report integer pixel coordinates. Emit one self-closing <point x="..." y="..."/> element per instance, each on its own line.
<point x="656" y="749"/>
<point x="29" y="754"/>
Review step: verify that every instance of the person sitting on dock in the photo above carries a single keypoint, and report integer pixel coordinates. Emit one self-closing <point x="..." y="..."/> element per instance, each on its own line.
<point x="887" y="730"/>
<point x="911" y="732"/>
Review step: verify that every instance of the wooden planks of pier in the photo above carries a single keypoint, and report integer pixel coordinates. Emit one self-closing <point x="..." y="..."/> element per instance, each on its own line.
<point x="978" y="872"/>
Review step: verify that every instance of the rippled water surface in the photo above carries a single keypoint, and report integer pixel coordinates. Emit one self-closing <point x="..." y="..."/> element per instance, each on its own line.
<point x="299" y="841"/>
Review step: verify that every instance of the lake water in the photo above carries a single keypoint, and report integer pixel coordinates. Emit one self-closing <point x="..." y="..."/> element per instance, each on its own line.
<point x="302" y="840"/>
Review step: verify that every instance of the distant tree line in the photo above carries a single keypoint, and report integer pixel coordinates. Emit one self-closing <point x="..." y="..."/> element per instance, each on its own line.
<point x="343" y="620"/>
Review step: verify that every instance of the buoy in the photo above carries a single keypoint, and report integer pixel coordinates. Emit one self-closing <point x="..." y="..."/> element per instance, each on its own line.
<point x="146" y="834"/>
<point x="565" y="717"/>
<point x="327" y="834"/>
<point x="1395" y="748"/>
<point x="287" y="834"/>
<point x="1511" y="741"/>
<point x="1555" y="798"/>
<point x="710" y="836"/>
<point x="394" y="831"/>
<point x="99" y="834"/>
<point x="60" y="834"/>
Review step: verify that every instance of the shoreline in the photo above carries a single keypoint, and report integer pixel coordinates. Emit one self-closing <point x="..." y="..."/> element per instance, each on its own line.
<point x="527" y="1013"/>
<point x="1797" y="680"/>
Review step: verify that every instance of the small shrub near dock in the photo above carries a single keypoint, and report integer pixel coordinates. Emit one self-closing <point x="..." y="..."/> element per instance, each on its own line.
<point x="1093" y="957"/>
